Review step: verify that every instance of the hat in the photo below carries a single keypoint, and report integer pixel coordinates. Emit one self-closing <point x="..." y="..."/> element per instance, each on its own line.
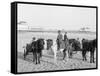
<point x="59" y="31"/>
<point x="33" y="38"/>
<point x="66" y="32"/>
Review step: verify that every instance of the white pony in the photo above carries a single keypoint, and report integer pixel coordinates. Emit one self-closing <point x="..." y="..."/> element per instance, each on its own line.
<point x="55" y="51"/>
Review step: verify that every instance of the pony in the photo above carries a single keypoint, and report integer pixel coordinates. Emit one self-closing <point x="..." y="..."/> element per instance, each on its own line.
<point x="89" y="45"/>
<point x="36" y="48"/>
<point x="61" y="50"/>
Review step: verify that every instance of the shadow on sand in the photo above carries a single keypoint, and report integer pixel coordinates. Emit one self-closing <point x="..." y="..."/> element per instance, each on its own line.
<point x="29" y="58"/>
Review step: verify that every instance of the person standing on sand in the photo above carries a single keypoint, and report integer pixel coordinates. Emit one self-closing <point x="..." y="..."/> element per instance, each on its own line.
<point x="59" y="39"/>
<point x="33" y="39"/>
<point x="66" y="40"/>
<point x="32" y="44"/>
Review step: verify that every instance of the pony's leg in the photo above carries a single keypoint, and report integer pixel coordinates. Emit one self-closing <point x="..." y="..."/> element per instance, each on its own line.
<point x="64" y="54"/>
<point x="58" y="46"/>
<point x="55" y="56"/>
<point x="25" y="53"/>
<point x="69" y="52"/>
<point x="90" y="57"/>
<point x="36" y="58"/>
<point x="84" y="55"/>
<point x="93" y="57"/>
<point x="39" y="55"/>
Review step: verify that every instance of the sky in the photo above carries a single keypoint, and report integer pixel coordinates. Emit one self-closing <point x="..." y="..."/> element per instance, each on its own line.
<point x="57" y="17"/>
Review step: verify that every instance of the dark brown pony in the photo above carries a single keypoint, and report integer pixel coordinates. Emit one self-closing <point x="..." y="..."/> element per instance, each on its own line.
<point x="36" y="48"/>
<point x="73" y="46"/>
<point x="89" y="45"/>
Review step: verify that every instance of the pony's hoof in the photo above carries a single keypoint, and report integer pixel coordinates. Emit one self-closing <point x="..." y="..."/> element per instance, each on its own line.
<point x="90" y="61"/>
<point x="39" y="62"/>
<point x="93" y="61"/>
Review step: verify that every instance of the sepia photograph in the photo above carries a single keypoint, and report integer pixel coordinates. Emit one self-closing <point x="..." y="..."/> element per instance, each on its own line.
<point x="56" y="38"/>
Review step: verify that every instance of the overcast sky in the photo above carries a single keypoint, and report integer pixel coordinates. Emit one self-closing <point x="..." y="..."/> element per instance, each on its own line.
<point x="57" y="17"/>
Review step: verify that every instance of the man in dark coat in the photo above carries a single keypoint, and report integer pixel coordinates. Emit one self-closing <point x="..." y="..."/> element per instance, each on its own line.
<point x="65" y="36"/>
<point x="59" y="39"/>
<point x="66" y="40"/>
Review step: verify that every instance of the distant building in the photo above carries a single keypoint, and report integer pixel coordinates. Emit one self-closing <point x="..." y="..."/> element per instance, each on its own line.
<point x="88" y="29"/>
<point x="28" y="28"/>
<point x="22" y="27"/>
